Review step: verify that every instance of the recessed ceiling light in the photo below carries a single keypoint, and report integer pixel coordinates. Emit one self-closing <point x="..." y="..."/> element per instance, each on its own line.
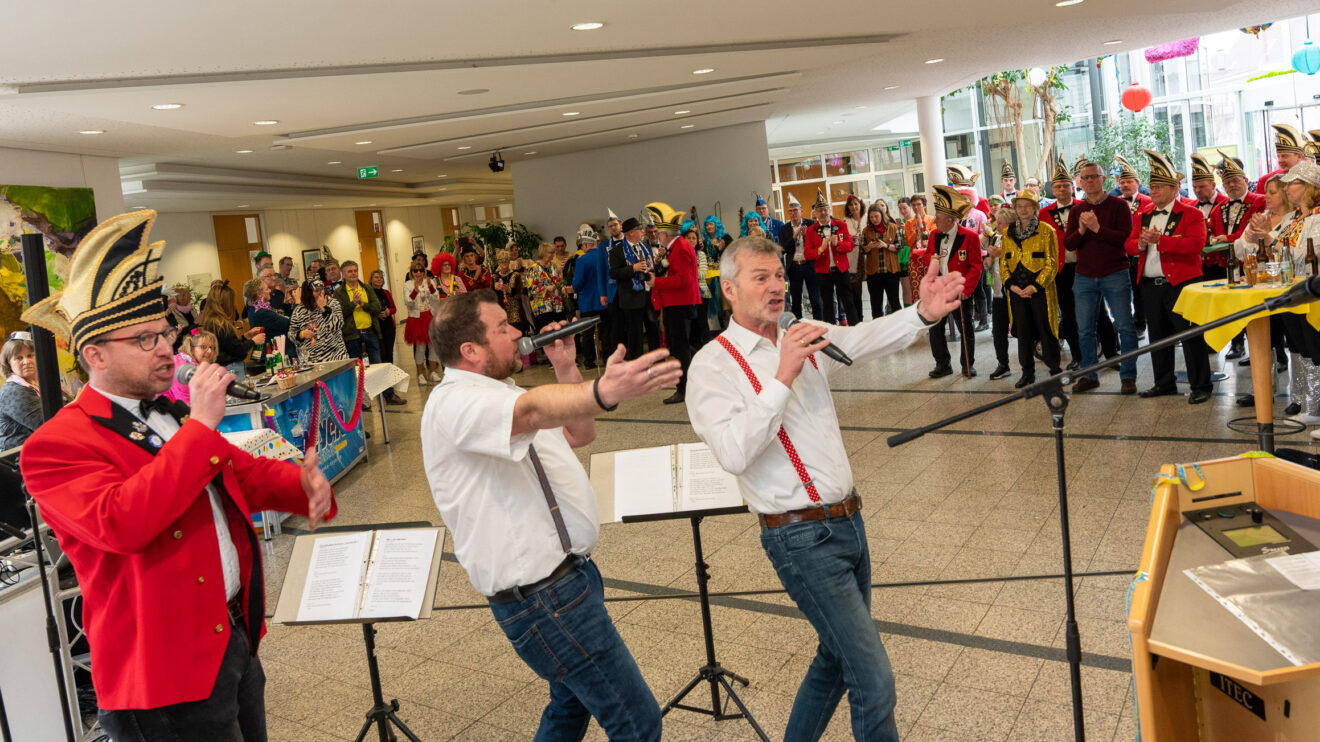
<point x="397" y="170"/>
<point x="465" y="147"/>
<point x="891" y="87"/>
<point x="703" y="71"/>
<point x="243" y="151"/>
<point x="92" y="131"/>
<point x="371" y="204"/>
<point x="167" y="106"/>
<point x="474" y="91"/>
<point x="442" y="175"/>
<point x="530" y="153"/>
<point x="242" y="206"/>
<point x="838" y="122"/>
<point x="862" y="107"/>
<point x="937" y="60"/>
<point x="1113" y="42"/>
<point x="632" y="136"/>
<point x="470" y="200"/>
<point x="590" y="26"/>
<point x="316" y="205"/>
<point x="365" y="141"/>
<point x="687" y="126"/>
<point x="443" y="189"/>
<point x="334" y="162"/>
<point x="680" y="113"/>
<point x="265" y="122"/>
<point x="570" y="113"/>
<point x="1066" y="3"/>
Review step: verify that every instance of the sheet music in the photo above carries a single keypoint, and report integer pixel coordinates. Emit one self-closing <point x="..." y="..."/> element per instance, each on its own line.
<point x="703" y="483"/>
<point x="397" y="577"/>
<point x="644" y="481"/>
<point x="1302" y="570"/>
<point x="334" y="577"/>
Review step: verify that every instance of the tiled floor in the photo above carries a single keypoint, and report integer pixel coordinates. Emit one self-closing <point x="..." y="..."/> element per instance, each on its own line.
<point x="974" y="660"/>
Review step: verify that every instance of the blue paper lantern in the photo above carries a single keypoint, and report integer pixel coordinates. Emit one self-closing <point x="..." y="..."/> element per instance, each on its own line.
<point x="1307" y="59"/>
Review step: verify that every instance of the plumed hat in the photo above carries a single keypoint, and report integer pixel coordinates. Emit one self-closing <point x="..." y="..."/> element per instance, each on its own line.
<point x="1201" y="169"/>
<point x="1007" y="171"/>
<point x="114" y="282"/>
<point x="1313" y="147"/>
<point x="586" y="233"/>
<point x="1162" y="170"/>
<point x="663" y="215"/>
<point x="1061" y="174"/>
<point x="1229" y="167"/>
<point x="1125" y="169"/>
<point x="950" y="202"/>
<point x="821" y="203"/>
<point x="1288" y="139"/>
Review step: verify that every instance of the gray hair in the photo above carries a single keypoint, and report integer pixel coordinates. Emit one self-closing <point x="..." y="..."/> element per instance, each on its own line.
<point x="756" y="245"/>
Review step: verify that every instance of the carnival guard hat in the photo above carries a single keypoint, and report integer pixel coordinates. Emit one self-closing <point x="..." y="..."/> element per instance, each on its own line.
<point x="1229" y="167"/>
<point x="1082" y="161"/>
<point x="586" y="233"/>
<point x="1201" y="169"/>
<point x="663" y="215"/>
<point x="114" y="281"/>
<point x="949" y="202"/>
<point x="1026" y="194"/>
<point x="1288" y="139"/>
<point x="821" y="203"/>
<point x="1007" y="171"/>
<point x="1125" y="169"/>
<point x="1162" y="172"/>
<point x="1061" y="174"/>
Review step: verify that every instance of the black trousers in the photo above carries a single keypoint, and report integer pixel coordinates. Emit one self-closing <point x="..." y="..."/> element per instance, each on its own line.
<point x="981" y="299"/>
<point x="855" y="283"/>
<point x="234" y="712"/>
<point x="1158" y="297"/>
<point x="632" y="330"/>
<point x="882" y="287"/>
<point x="1031" y="324"/>
<point x="999" y="327"/>
<point x="1138" y="306"/>
<point x="836" y="296"/>
<point x="586" y="349"/>
<point x="388" y="331"/>
<point x="678" y="337"/>
<point x="939" y="346"/>
<point x="800" y="275"/>
<point x="1104" y="326"/>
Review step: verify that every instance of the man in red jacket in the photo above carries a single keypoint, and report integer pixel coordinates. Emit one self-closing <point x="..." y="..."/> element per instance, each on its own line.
<point x="1289" y="148"/>
<point x="828" y="243"/>
<point x="1229" y="219"/>
<point x="675" y="290"/>
<point x="1167" y="238"/>
<point x="154" y="507"/>
<point x="954" y="248"/>
<point x="1207" y="200"/>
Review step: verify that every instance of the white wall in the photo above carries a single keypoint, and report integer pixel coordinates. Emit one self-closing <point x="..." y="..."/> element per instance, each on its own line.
<point x="554" y="195"/>
<point x="57" y="170"/>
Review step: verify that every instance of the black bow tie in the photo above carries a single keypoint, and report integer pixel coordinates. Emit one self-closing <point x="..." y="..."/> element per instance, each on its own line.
<point x="1205" y="203"/>
<point x="1236" y="201"/>
<point x="162" y="405"/>
<point x="1159" y="211"/>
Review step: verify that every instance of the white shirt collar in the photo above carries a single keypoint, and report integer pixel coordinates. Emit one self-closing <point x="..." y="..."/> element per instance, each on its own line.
<point x="132" y="405"/>
<point x="744" y="339"/>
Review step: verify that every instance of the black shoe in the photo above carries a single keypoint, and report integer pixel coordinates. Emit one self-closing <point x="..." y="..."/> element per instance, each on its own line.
<point x="1292" y="409"/>
<point x="1024" y="381"/>
<point x="969" y="373"/>
<point x="1074" y="365"/>
<point x="982" y="326"/>
<point x="1198" y="396"/>
<point x="940" y="371"/>
<point x="1085" y="384"/>
<point x="396" y="400"/>
<point x="1000" y="372"/>
<point x="1233" y="354"/>
<point x="675" y="398"/>
<point x="1157" y="392"/>
<point x="1244" y="362"/>
<point x="1246" y="400"/>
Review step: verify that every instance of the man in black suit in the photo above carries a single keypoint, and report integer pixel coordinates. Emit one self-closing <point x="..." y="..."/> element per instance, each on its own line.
<point x="800" y="270"/>
<point x="630" y="265"/>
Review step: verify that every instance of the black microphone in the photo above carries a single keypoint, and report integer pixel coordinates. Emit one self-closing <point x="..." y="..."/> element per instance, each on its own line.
<point x="528" y="344"/>
<point x="787" y="320"/>
<point x="1302" y="293"/>
<point x="235" y="389"/>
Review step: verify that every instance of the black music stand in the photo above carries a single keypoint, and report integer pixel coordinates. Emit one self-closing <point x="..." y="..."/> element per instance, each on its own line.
<point x="712" y="672"/>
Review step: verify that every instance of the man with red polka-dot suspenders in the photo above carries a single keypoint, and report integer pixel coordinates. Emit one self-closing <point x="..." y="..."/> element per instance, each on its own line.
<point x="759" y="397"/>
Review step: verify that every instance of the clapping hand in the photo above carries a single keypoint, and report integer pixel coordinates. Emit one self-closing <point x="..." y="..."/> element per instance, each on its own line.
<point x="1089" y="220"/>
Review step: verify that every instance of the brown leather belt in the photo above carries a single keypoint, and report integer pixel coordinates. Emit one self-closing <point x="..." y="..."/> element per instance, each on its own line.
<point x="820" y="512"/>
<point x="801" y="262"/>
<point x="522" y="592"/>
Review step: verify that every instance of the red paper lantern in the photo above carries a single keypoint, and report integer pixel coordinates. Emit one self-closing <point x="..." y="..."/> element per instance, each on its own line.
<point x="1136" y="98"/>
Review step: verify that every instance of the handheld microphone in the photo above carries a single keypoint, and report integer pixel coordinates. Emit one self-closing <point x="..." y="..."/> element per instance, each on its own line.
<point x="1302" y="293"/>
<point x="235" y="389"/>
<point x="528" y="344"/>
<point x="787" y="320"/>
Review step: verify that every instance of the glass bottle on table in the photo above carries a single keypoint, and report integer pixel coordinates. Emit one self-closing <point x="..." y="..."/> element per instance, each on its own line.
<point x="1232" y="278"/>
<point x="1310" y="266"/>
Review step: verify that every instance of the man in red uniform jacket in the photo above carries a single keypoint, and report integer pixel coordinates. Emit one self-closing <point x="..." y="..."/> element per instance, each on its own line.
<point x="677" y="293"/>
<point x="1207" y="199"/>
<point x="1289" y="147"/>
<point x="954" y="248"/>
<point x="1229" y="219"/>
<point x="153" y="506"/>
<point x="1167" y="237"/>
<point x="828" y="243"/>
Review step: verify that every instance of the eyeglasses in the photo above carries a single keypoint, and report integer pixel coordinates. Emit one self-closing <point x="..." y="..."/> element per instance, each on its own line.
<point x="147" y="340"/>
<point x="1092" y="176"/>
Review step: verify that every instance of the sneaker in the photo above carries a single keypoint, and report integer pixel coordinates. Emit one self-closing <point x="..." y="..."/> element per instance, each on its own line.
<point x="1000" y="372"/>
<point x="421" y="379"/>
<point x="435" y="377"/>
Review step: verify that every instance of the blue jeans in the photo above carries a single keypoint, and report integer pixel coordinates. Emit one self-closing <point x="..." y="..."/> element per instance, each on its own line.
<point x="1116" y="289"/>
<point x="825" y="565"/>
<point x="566" y="637"/>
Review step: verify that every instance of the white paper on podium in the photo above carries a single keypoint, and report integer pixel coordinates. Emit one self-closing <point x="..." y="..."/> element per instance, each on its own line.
<point x="400" y="567"/>
<point x="334" y="577"/>
<point x="1302" y="570"/>
<point x="644" y="481"/>
<point x="703" y="483"/>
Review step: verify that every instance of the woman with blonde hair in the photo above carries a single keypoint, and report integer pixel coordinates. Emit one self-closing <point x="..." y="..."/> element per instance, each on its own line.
<point x="219" y="317"/>
<point x="1292" y="235"/>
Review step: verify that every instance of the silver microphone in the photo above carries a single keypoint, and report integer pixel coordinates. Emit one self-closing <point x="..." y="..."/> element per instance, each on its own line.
<point x="787" y="320"/>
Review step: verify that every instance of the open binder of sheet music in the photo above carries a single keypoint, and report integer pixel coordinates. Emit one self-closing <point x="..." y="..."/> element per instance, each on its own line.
<point x="360" y="575"/>
<point x="666" y="479"/>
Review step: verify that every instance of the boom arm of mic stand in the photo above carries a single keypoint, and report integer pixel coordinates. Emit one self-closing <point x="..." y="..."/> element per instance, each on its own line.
<point x="1060" y="380"/>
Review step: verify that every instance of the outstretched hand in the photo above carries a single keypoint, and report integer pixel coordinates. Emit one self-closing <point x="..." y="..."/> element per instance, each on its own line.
<point x="939" y="295"/>
<point x="631" y="379"/>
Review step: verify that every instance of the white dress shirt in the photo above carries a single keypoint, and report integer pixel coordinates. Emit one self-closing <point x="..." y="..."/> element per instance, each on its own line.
<point x="946" y="249"/>
<point x="741" y="427"/>
<point x="1158" y="222"/>
<point x="166" y="426"/>
<point x="487" y="491"/>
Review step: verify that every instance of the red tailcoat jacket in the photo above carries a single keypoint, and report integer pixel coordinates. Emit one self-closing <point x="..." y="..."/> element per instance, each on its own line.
<point x="137" y="525"/>
<point x="1222" y="223"/>
<point x="678" y="287"/>
<point x="964" y="258"/>
<point x="813" y="243"/>
<point x="1180" y="246"/>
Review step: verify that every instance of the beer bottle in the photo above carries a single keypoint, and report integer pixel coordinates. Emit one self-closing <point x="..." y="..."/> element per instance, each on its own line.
<point x="1232" y="267"/>
<point x="1311" y="267"/>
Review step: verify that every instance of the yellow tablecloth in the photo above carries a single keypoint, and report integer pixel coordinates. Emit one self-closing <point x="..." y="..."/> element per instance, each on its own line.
<point x="1207" y="301"/>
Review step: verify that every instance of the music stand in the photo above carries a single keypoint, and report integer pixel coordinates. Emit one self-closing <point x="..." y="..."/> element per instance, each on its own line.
<point x="382" y="714"/>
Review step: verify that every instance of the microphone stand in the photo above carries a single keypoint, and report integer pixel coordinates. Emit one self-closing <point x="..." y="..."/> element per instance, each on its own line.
<point x="1056" y="400"/>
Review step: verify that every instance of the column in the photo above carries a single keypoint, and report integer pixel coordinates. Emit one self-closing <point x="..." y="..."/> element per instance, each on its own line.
<point x="930" y="121"/>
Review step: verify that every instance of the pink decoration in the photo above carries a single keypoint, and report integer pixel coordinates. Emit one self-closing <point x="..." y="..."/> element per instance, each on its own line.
<point x="1136" y="98"/>
<point x="1184" y="48"/>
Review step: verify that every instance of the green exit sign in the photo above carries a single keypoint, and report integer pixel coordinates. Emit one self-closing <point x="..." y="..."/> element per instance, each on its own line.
<point x="368" y="172"/>
<point x="905" y="143"/>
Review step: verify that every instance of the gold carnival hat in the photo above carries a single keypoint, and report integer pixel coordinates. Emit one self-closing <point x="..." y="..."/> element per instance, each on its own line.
<point x="663" y="215"/>
<point x="1201" y="169"/>
<point x="1125" y="169"/>
<point x="114" y="281"/>
<point x="1007" y="171"/>
<point x="821" y="203"/>
<point x="1230" y="167"/>
<point x="1288" y="139"/>
<point x="1061" y="174"/>
<point x="1162" y="171"/>
<point x="950" y="202"/>
<point x="1027" y="194"/>
<point x="1082" y="161"/>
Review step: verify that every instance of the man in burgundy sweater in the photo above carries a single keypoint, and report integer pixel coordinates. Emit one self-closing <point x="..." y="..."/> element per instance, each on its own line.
<point x="1098" y="227"/>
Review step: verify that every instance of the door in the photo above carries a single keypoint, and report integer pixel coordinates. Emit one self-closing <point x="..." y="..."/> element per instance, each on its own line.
<point x="805" y="193"/>
<point x="238" y="239"/>
<point x="371" y="243"/>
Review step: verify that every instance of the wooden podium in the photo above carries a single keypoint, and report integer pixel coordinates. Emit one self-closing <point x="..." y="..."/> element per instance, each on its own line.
<point x="1201" y="673"/>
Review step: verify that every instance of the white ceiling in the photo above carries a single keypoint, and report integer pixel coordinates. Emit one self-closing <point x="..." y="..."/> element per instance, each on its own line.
<point x="401" y="75"/>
